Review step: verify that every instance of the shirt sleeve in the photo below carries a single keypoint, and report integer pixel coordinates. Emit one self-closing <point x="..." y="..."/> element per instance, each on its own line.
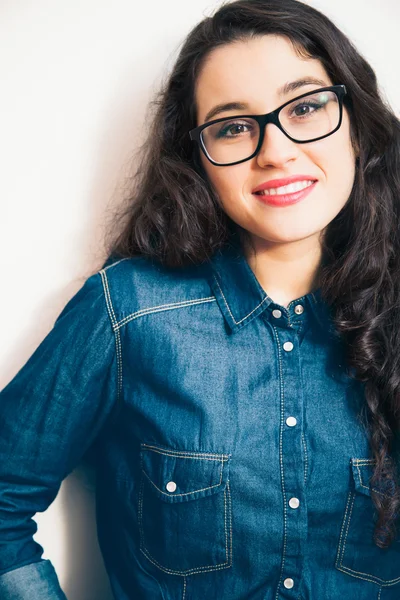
<point x="51" y="413"/>
<point x="37" y="581"/>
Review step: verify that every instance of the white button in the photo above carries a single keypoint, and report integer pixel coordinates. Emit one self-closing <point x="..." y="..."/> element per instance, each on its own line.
<point x="288" y="583"/>
<point x="288" y="346"/>
<point x="298" y="309"/>
<point x="277" y="313"/>
<point x="294" y="503"/>
<point x="171" y="486"/>
<point x="291" y="421"/>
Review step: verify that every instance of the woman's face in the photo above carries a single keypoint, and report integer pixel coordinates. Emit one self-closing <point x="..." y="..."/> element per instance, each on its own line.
<point x="252" y="72"/>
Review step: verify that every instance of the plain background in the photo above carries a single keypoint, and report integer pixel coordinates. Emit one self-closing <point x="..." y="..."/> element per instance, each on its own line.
<point x="76" y="78"/>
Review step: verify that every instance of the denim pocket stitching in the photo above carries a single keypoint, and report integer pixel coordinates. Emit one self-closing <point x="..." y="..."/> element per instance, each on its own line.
<point x="228" y="537"/>
<point x="172" y="495"/>
<point x="341" y="550"/>
<point x="363" y="462"/>
<point x="367" y="486"/>
<point x="187" y="453"/>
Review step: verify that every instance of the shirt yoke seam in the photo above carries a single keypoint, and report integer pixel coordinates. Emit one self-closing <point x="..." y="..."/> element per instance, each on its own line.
<point x="116" y="325"/>
<point x="163" y="307"/>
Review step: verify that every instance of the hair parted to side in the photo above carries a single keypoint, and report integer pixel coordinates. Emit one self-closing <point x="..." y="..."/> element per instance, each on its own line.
<point x="174" y="216"/>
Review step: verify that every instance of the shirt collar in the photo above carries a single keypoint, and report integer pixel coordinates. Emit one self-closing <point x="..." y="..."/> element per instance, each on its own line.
<point x="239" y="294"/>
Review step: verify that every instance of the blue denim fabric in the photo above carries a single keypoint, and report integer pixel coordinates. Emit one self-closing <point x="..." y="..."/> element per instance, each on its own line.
<point x="232" y="463"/>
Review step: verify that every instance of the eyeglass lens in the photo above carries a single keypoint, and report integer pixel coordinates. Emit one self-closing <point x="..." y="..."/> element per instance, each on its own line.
<point x="234" y="139"/>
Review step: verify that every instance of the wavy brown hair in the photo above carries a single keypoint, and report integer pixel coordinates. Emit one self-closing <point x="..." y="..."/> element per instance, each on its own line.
<point x="173" y="215"/>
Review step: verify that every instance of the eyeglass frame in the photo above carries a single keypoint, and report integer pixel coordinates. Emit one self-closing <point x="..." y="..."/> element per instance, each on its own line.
<point x="271" y="117"/>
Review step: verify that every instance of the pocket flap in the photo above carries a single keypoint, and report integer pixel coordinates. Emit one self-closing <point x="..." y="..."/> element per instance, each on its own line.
<point x="362" y="469"/>
<point x="179" y="476"/>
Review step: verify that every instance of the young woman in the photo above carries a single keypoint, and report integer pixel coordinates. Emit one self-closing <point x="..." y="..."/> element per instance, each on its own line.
<point x="233" y="368"/>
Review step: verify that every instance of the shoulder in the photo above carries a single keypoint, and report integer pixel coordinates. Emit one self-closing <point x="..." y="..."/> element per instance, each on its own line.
<point x="137" y="286"/>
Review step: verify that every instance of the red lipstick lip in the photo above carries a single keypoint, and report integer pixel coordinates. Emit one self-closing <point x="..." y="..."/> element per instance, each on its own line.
<point x="286" y="199"/>
<point x="274" y="183"/>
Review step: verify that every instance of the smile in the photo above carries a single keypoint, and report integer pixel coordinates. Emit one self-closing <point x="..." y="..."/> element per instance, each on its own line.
<point x="286" y="189"/>
<point x="286" y="195"/>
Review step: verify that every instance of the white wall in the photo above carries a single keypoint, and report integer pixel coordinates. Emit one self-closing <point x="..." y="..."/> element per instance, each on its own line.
<point x="76" y="77"/>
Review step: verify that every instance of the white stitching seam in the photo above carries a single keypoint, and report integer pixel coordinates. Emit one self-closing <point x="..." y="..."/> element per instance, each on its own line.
<point x="116" y="331"/>
<point x="154" y="309"/>
<point x="365" y="461"/>
<point x="114" y="264"/>
<point x="108" y="297"/>
<point x="348" y="526"/>
<point x="229" y="553"/>
<point x="229" y="310"/>
<point x="340" y="547"/>
<point x="367" y="486"/>
<point x="371" y="578"/>
<point x="282" y="399"/>
<point x="305" y="457"/>
<point x="188" y="454"/>
<point x="187" y="493"/>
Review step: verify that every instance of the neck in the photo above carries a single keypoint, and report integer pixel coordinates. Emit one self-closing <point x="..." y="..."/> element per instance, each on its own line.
<point x="285" y="271"/>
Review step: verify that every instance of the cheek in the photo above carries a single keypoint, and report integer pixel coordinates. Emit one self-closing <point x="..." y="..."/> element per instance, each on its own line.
<point x="228" y="182"/>
<point x="341" y="165"/>
<point x="334" y="157"/>
<point x="342" y="155"/>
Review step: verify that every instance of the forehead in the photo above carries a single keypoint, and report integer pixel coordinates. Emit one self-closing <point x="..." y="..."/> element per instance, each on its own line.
<point x="252" y="71"/>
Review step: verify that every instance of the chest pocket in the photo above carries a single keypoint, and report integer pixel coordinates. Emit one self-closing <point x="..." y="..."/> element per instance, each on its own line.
<point x="184" y="510"/>
<point x="357" y="553"/>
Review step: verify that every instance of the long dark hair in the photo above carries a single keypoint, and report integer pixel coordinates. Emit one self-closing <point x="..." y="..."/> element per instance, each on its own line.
<point x="173" y="215"/>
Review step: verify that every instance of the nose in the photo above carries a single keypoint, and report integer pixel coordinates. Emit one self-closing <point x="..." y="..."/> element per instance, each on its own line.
<point x="276" y="149"/>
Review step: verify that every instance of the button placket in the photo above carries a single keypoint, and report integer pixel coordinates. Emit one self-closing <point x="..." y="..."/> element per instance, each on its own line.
<point x="291" y="455"/>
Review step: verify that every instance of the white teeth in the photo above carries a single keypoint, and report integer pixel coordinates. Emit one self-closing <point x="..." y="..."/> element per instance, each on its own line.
<point x="286" y="189"/>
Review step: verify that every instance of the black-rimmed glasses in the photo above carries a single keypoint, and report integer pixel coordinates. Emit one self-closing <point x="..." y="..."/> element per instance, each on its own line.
<point x="306" y="118"/>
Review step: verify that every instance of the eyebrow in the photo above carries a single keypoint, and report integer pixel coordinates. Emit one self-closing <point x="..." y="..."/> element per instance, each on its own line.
<point x="289" y="87"/>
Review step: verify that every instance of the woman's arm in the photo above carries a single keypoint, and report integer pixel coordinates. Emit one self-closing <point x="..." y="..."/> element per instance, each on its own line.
<point x="50" y="414"/>
<point x="36" y="581"/>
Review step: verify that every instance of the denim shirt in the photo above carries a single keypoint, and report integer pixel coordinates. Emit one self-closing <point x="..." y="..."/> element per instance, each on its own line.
<point x="232" y="462"/>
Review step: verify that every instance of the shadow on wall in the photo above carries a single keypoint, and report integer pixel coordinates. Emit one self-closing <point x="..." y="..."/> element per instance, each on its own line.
<point x="84" y="576"/>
